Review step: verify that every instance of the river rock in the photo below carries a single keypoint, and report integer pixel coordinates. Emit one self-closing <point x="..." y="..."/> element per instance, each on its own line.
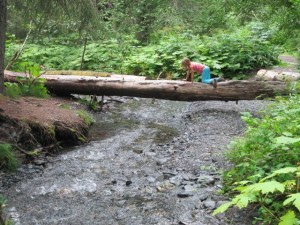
<point x="206" y="180"/>
<point x="210" y="204"/>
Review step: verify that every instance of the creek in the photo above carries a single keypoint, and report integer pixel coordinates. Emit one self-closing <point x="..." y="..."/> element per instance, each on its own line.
<point x="148" y="162"/>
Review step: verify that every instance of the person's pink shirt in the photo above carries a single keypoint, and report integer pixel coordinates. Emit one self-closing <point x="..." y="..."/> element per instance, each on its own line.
<point x="197" y="67"/>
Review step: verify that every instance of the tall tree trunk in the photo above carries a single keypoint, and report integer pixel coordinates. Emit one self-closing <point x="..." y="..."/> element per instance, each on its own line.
<point x="3" y="8"/>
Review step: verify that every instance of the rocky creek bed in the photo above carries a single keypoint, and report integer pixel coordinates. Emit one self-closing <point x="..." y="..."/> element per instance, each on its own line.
<point x="149" y="162"/>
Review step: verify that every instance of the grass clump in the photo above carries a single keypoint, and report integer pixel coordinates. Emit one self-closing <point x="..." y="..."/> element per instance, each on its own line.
<point x="8" y="158"/>
<point x="87" y="118"/>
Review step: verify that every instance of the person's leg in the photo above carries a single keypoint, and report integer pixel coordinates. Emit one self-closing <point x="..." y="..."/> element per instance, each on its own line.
<point x="206" y="76"/>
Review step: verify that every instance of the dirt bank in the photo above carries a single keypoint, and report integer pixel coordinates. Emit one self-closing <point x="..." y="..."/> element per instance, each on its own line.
<point x="30" y="123"/>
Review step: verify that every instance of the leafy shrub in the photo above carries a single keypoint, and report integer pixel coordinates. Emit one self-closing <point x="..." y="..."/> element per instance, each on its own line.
<point x="91" y="102"/>
<point x="236" y="53"/>
<point x="230" y="54"/>
<point x="277" y="195"/>
<point x="7" y="157"/>
<point x="226" y="54"/>
<point x="31" y="85"/>
<point x="12" y="90"/>
<point x="269" y="147"/>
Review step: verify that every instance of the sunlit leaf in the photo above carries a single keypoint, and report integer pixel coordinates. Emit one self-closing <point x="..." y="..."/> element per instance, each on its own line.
<point x="286" y="140"/>
<point x="280" y="171"/>
<point x="295" y="199"/>
<point x="266" y="187"/>
<point x="222" y="208"/>
<point x="288" y="219"/>
<point x="242" y="200"/>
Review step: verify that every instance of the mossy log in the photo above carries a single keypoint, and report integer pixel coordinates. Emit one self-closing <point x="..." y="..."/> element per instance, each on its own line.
<point x="129" y="85"/>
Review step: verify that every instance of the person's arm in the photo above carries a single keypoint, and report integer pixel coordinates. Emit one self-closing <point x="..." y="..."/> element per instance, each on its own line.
<point x="192" y="76"/>
<point x="187" y="75"/>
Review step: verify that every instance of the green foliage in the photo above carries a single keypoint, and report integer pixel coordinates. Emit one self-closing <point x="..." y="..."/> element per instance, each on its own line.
<point x="268" y="142"/>
<point x="284" y="15"/>
<point x="51" y="18"/>
<point x="12" y="90"/>
<point x="233" y="55"/>
<point x="91" y="102"/>
<point x="146" y="19"/>
<point x="8" y="159"/>
<point x="279" y="200"/>
<point x="264" y="160"/>
<point x="238" y="53"/>
<point x="31" y="85"/>
<point x="86" y="117"/>
<point x="2" y="205"/>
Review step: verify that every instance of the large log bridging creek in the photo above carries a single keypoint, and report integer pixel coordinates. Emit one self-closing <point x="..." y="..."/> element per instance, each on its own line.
<point x="129" y="85"/>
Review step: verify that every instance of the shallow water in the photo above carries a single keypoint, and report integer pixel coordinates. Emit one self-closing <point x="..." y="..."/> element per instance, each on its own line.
<point x="149" y="162"/>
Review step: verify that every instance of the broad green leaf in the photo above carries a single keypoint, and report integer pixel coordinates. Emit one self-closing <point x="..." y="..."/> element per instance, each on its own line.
<point x="222" y="208"/>
<point x="286" y="140"/>
<point x="265" y="187"/>
<point x="280" y="171"/>
<point x="295" y="198"/>
<point x="242" y="200"/>
<point x="288" y="219"/>
<point x="287" y="134"/>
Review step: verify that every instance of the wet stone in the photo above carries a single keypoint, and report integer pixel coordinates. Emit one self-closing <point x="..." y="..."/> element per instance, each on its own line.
<point x="206" y="180"/>
<point x="210" y="204"/>
<point x="161" y="162"/>
<point x="164" y="186"/>
<point x="183" y="194"/>
<point x="176" y="180"/>
<point x="137" y="151"/>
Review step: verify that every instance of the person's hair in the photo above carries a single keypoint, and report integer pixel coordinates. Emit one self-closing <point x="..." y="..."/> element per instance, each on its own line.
<point x="185" y="62"/>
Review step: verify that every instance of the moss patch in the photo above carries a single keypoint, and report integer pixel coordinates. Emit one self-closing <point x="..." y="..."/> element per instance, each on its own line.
<point x="78" y="73"/>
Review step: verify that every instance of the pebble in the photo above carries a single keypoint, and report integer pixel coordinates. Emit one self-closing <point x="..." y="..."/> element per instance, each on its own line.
<point x="210" y="204"/>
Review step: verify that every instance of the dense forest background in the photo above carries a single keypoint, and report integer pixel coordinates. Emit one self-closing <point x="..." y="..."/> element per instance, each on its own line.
<point x="234" y="38"/>
<point x="150" y="37"/>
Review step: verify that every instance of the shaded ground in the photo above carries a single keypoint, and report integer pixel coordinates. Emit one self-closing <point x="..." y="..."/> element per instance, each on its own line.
<point x="290" y="62"/>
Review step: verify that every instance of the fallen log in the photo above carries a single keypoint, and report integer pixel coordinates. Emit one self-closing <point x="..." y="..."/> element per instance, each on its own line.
<point x="129" y="85"/>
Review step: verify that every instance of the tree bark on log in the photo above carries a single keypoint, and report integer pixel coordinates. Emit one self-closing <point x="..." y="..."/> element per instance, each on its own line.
<point x="128" y="85"/>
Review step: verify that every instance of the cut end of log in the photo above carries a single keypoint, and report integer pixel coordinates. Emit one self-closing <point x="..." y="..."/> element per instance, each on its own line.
<point x="270" y="75"/>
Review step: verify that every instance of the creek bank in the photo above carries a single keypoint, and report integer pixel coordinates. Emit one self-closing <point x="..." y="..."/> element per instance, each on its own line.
<point x="148" y="162"/>
<point x="38" y="126"/>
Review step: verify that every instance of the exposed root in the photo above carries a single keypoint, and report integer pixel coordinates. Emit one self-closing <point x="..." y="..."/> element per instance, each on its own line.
<point x="70" y="134"/>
